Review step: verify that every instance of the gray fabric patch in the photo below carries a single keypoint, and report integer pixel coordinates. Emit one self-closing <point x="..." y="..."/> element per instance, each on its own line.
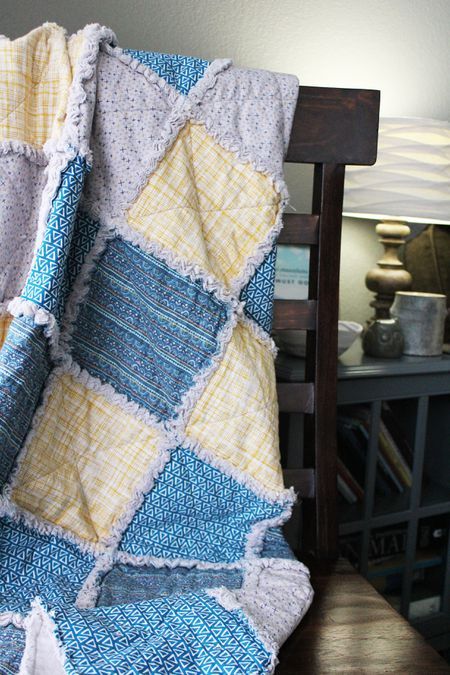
<point x="21" y="184"/>
<point x="251" y="112"/>
<point x="130" y="122"/>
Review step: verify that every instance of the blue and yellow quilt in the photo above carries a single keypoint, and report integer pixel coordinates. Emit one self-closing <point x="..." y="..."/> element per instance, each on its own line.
<point x="142" y="500"/>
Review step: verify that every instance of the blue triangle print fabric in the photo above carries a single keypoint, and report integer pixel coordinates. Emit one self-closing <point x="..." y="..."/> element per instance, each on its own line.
<point x="181" y="72"/>
<point x="142" y="497"/>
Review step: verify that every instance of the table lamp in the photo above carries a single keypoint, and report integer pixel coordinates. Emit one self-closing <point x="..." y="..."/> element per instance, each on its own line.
<point x="409" y="183"/>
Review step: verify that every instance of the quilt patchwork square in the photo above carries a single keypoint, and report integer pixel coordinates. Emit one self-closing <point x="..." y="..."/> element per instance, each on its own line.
<point x="205" y="205"/>
<point x="24" y="366"/>
<point x="34" y="564"/>
<point x="182" y="635"/>
<point x="84" y="461"/>
<point x="236" y="417"/>
<point x="197" y="512"/>
<point x="145" y="329"/>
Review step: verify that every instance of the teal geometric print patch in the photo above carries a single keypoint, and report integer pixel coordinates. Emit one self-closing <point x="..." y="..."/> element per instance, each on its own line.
<point x="24" y="366"/>
<point x="258" y="293"/>
<point x="85" y="231"/>
<point x="195" y="511"/>
<point x="181" y="635"/>
<point x="45" y="283"/>
<point x="145" y="329"/>
<point x="34" y="564"/>
<point x="181" y="72"/>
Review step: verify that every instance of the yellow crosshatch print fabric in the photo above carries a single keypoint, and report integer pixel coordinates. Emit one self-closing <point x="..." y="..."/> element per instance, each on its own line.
<point x="35" y="76"/>
<point x="205" y="205"/>
<point x="84" y="461"/>
<point x="236" y="416"/>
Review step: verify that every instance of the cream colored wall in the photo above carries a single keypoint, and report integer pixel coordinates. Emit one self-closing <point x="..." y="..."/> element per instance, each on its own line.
<point x="401" y="47"/>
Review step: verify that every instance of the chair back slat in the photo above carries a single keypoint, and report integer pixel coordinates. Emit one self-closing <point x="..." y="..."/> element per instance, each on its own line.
<point x="294" y="315"/>
<point x="296" y="397"/>
<point x="299" y="229"/>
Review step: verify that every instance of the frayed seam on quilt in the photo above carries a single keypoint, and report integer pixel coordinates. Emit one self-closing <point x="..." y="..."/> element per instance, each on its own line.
<point x="282" y="497"/>
<point x="33" y="154"/>
<point x="177" y="426"/>
<point x="12" y="618"/>
<point x="182" y="108"/>
<point x="90" y="590"/>
<point x="139" y="493"/>
<point x="37" y="620"/>
<point x="259" y="333"/>
<point x="255" y="538"/>
<point x="188" y="269"/>
<point x="125" y="558"/>
<point x="18" y="514"/>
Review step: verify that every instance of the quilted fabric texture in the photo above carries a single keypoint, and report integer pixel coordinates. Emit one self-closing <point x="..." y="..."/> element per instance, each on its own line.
<point x="205" y="205"/>
<point x="236" y="420"/>
<point x="142" y="494"/>
<point x="84" y="461"/>
<point x="146" y="329"/>
<point x="195" y="512"/>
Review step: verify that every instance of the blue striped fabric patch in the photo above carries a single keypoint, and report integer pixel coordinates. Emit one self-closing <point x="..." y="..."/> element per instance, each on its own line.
<point x="126" y="583"/>
<point x="145" y="329"/>
<point x="24" y="366"/>
<point x="47" y="279"/>
<point x="258" y="293"/>
<point x="12" y="645"/>
<point x="181" y="72"/>
<point x="34" y="564"/>
<point x="195" y="511"/>
<point x="181" y="635"/>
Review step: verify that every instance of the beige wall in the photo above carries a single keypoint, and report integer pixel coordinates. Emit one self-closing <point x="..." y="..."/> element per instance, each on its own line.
<point x="401" y="47"/>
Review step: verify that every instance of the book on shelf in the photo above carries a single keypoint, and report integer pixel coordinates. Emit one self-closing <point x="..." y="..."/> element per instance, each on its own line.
<point x="348" y="486"/>
<point x="346" y="491"/>
<point x="391" y="422"/>
<point x="394" y="467"/>
<point x="392" y="454"/>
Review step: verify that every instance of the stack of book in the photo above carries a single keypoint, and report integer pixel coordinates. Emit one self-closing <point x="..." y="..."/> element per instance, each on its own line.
<point x="394" y="473"/>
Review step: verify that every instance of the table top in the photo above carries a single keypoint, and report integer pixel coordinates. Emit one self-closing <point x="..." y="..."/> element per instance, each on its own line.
<point x="354" y="364"/>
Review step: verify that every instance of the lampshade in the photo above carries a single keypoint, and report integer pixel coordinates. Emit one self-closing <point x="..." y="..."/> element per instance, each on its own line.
<point x="411" y="178"/>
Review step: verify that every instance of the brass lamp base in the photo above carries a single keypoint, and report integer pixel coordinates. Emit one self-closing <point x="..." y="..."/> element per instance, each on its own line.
<point x="390" y="276"/>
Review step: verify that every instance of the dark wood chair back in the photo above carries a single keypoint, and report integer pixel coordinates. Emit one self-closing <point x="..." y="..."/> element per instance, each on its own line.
<point x="332" y="128"/>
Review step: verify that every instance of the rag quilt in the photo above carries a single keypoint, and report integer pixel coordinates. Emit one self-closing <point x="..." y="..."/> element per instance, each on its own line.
<point x="142" y="500"/>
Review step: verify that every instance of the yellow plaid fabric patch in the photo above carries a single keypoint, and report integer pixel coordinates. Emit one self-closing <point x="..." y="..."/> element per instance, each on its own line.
<point x="205" y="205"/>
<point x="35" y="75"/>
<point x="236" y="417"/>
<point x="84" y="461"/>
<point x="5" y="322"/>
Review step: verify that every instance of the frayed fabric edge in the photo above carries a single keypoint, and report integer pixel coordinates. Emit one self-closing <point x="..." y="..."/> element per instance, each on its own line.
<point x="283" y="496"/>
<point x="37" y="620"/>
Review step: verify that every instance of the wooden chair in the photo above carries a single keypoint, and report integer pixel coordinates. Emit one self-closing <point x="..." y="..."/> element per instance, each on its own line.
<point x="350" y="627"/>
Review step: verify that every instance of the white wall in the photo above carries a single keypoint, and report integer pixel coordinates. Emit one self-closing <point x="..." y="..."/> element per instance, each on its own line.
<point x="401" y="47"/>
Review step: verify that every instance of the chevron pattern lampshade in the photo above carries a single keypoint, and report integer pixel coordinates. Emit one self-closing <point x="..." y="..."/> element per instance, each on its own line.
<point x="410" y="181"/>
